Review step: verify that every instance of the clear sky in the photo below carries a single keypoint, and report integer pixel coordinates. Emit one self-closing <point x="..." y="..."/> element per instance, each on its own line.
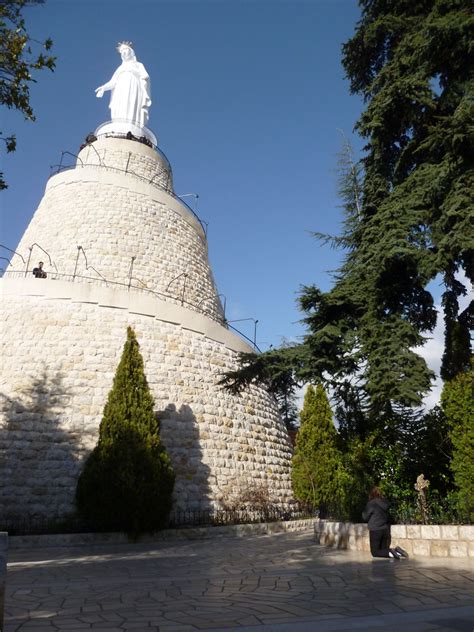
<point x="248" y="97"/>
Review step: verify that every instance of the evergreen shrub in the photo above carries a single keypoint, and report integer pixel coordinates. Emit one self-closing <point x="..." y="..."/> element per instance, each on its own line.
<point x="457" y="400"/>
<point x="127" y="481"/>
<point x="318" y="476"/>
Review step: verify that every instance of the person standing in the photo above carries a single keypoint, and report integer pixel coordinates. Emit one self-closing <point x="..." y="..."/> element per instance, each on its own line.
<point x="376" y="514"/>
<point x="38" y="272"/>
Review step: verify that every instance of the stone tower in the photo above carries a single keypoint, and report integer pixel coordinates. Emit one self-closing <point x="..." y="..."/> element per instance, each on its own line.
<point x="120" y="248"/>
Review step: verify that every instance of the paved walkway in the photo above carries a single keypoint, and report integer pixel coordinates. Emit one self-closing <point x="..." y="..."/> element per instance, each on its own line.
<point x="281" y="583"/>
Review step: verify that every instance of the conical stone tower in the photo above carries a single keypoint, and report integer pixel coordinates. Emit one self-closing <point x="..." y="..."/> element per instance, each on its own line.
<point x="121" y="249"/>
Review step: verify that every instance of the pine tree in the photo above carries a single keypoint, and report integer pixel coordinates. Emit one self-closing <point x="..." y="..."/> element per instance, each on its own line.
<point x="457" y="401"/>
<point x="127" y="481"/>
<point x="317" y="472"/>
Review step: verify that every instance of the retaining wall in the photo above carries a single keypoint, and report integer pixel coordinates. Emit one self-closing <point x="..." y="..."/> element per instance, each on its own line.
<point x="417" y="540"/>
<point x="189" y="533"/>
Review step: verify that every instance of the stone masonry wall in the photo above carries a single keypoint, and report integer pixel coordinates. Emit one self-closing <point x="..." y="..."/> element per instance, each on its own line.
<point x="126" y="156"/>
<point x="114" y="217"/>
<point x="59" y="357"/>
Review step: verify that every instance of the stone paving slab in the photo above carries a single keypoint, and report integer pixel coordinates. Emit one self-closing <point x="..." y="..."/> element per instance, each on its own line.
<point x="278" y="582"/>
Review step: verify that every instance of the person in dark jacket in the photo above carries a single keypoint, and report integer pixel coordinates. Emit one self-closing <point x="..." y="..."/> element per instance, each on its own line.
<point x="376" y="514"/>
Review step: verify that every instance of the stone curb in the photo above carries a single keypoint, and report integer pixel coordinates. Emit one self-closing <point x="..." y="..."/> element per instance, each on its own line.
<point x="193" y="533"/>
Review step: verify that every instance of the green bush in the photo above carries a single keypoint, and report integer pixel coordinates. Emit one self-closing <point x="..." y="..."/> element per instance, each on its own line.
<point x="127" y="481"/>
<point x="457" y="401"/>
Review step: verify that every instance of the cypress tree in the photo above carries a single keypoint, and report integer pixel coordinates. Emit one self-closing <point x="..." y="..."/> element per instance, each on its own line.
<point x="127" y="481"/>
<point x="317" y="473"/>
<point x="457" y="401"/>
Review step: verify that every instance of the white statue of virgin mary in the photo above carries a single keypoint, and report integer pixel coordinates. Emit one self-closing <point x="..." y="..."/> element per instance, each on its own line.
<point x="130" y="88"/>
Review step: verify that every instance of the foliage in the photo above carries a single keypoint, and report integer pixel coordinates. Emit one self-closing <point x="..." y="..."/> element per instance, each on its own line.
<point x="408" y="210"/>
<point x="318" y="476"/>
<point x="408" y="62"/>
<point x="18" y="61"/>
<point x="278" y="369"/>
<point x="457" y="401"/>
<point x="442" y="509"/>
<point x="127" y="481"/>
<point x="250" y="496"/>
<point x="428" y="450"/>
<point x="407" y="215"/>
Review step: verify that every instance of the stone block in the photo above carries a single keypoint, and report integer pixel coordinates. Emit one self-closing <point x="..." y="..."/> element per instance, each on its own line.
<point x="439" y="548"/>
<point x="421" y="547"/>
<point x="466" y="532"/>
<point x="449" y="532"/>
<point x="398" y="531"/>
<point x="470" y="549"/>
<point x="430" y="532"/>
<point x="413" y="531"/>
<point x="457" y="549"/>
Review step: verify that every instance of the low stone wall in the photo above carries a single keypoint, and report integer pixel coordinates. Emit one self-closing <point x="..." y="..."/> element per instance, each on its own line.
<point x="188" y="533"/>
<point x="3" y="573"/>
<point x="417" y="540"/>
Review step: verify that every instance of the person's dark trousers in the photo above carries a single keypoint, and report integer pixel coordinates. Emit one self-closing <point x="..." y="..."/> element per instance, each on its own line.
<point x="380" y="542"/>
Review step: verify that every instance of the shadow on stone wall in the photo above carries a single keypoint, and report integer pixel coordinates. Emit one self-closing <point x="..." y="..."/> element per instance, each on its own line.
<point x="38" y="456"/>
<point x="180" y="434"/>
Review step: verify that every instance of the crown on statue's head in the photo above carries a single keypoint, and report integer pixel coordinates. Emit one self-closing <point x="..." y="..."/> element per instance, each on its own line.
<point x="127" y="44"/>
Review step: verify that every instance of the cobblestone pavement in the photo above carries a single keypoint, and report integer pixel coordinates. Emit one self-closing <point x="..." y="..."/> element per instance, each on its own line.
<point x="281" y="582"/>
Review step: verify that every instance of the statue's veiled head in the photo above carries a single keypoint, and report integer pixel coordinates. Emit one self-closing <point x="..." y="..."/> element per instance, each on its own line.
<point x="126" y="51"/>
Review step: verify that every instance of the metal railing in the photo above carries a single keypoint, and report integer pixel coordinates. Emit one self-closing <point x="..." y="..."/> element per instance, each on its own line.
<point x="179" y="300"/>
<point x="216" y="311"/>
<point x="161" y="173"/>
<point x="34" y="525"/>
<point x="53" y="276"/>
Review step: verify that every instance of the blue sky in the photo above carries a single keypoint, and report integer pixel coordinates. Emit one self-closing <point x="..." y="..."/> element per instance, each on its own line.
<point x="248" y="97"/>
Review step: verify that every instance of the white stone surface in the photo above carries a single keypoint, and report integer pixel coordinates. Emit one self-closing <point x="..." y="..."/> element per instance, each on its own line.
<point x="130" y="89"/>
<point x="55" y="381"/>
<point x="61" y="341"/>
<point x="114" y="217"/>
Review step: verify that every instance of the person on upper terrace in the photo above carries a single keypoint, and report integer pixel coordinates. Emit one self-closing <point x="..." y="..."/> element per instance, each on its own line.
<point x="38" y="272"/>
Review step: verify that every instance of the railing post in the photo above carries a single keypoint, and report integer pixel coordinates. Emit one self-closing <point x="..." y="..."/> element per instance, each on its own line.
<point x="130" y="272"/>
<point x="28" y="262"/>
<point x="79" y="248"/>
<point x="184" y="289"/>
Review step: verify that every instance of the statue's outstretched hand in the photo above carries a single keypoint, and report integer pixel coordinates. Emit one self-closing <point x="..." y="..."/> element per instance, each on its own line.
<point x="99" y="92"/>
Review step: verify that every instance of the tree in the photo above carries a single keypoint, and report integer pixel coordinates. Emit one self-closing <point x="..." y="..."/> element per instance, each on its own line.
<point x="407" y="219"/>
<point x="127" y="481"/>
<point x="457" y="401"/>
<point x="317" y="473"/>
<point x="408" y="208"/>
<point x="407" y="60"/>
<point x="18" y="61"/>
